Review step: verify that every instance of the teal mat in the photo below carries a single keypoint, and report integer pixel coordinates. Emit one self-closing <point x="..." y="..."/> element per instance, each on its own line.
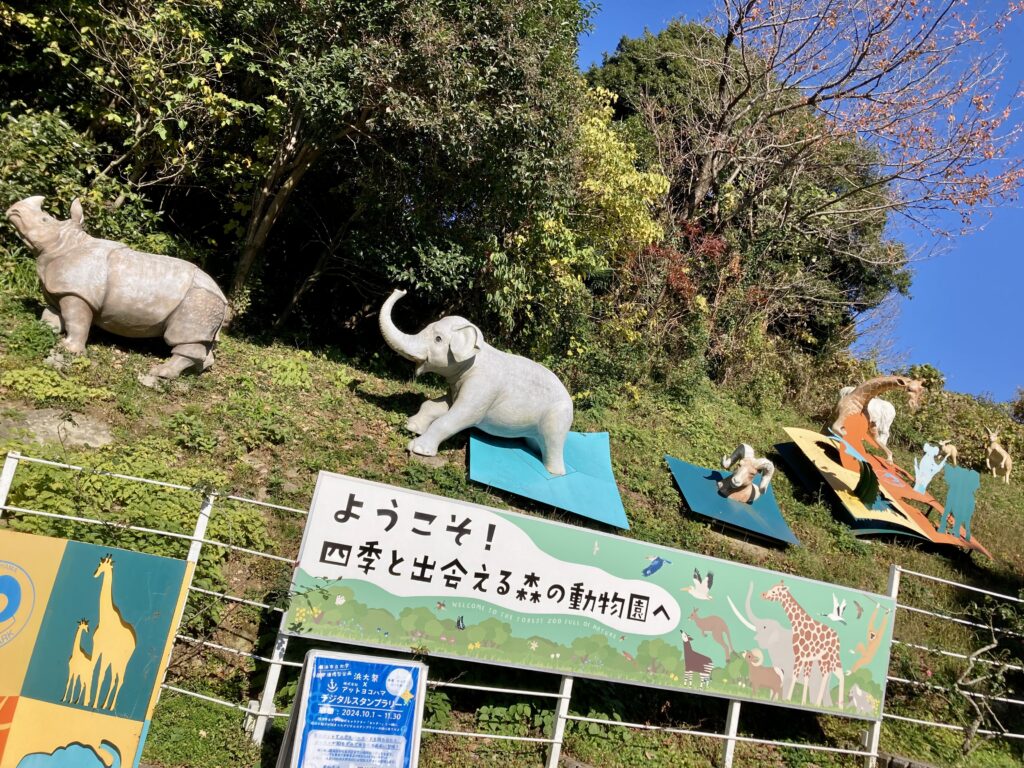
<point x="587" y="488"/>
<point x="698" y="486"/>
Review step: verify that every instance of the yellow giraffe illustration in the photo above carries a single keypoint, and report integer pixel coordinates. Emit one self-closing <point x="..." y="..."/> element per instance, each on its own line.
<point x="113" y="642"/>
<point x="80" y="669"/>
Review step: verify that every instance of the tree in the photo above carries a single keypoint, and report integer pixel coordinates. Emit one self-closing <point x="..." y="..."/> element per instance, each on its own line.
<point x="340" y="74"/>
<point x="744" y="256"/>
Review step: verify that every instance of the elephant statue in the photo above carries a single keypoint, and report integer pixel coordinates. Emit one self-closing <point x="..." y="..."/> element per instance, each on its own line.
<point x="741" y="485"/>
<point x="502" y="394"/>
<point x="86" y="281"/>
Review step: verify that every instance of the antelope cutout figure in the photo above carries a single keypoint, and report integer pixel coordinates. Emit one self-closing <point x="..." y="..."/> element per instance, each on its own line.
<point x="997" y="457"/>
<point x="80" y="669"/>
<point x="113" y="641"/>
<point x="858" y="400"/>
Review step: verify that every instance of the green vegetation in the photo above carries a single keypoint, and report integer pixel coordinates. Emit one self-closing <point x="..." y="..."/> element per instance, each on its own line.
<point x="684" y="234"/>
<point x="223" y="430"/>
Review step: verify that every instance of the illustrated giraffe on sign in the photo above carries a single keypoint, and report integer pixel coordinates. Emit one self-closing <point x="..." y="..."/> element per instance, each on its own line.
<point x="113" y="642"/>
<point x="813" y="643"/>
<point x="80" y="669"/>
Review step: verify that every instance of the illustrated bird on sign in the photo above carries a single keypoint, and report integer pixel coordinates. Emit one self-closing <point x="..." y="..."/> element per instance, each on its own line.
<point x="655" y="566"/>
<point x="701" y="589"/>
<point x="597" y="547"/>
<point x="837" y="610"/>
<point x="859" y="607"/>
<point x="440" y="605"/>
<point x="460" y="623"/>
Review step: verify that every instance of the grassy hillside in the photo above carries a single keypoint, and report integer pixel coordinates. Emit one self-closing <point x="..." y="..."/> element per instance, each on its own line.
<point x="268" y="417"/>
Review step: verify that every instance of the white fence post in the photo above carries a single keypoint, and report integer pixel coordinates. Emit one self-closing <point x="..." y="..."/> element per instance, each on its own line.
<point x="732" y="724"/>
<point x="7" y="477"/>
<point x="266" y="710"/>
<point x="561" y="712"/>
<point x="875" y="733"/>
<point x="198" y="533"/>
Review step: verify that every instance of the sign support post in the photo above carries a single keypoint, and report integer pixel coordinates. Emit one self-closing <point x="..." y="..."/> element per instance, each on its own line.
<point x="732" y="723"/>
<point x="7" y="477"/>
<point x="875" y="733"/>
<point x="561" y="712"/>
<point x="266" y="710"/>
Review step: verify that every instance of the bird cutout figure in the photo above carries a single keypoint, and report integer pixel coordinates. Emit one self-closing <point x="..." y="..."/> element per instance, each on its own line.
<point x="701" y="589"/>
<point x="860" y="609"/>
<point x="655" y="566"/>
<point x="460" y="623"/>
<point x="440" y="605"/>
<point x="837" y="610"/>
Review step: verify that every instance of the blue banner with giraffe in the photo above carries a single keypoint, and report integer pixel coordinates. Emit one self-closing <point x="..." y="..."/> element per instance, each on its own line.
<point x="83" y="649"/>
<point x="393" y="568"/>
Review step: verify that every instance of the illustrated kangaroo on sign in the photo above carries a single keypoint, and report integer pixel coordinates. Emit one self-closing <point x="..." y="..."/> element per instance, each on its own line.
<point x="717" y="627"/>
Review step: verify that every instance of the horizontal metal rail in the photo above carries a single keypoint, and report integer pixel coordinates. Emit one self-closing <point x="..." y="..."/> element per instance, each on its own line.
<point x="222" y="702"/>
<point x="105" y="473"/>
<point x="151" y="531"/>
<point x="236" y="651"/>
<point x="955" y="655"/>
<point x="950" y="727"/>
<point x="267" y="504"/>
<point x="958" y="585"/>
<point x="720" y="736"/>
<point x="160" y="483"/>
<point x="965" y="622"/>
<point x="972" y="694"/>
<point x="499" y="736"/>
<point x="490" y="689"/>
<point x="236" y="599"/>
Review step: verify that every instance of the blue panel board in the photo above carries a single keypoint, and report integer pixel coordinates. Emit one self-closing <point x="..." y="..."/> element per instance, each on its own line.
<point x="698" y="486"/>
<point x="359" y="711"/>
<point x="587" y="488"/>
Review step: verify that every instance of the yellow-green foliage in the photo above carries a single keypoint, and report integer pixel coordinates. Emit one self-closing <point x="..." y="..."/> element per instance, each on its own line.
<point x="540" y="272"/>
<point x="619" y="198"/>
<point x="44" y="385"/>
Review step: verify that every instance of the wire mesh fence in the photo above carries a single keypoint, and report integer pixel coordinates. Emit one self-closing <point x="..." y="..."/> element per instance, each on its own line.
<point x="244" y="551"/>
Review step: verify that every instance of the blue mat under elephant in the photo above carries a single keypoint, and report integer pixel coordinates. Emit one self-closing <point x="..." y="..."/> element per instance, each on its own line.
<point x="587" y="488"/>
<point x="698" y="486"/>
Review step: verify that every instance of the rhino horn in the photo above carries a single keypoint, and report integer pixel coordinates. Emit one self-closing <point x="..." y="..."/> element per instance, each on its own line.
<point x="77" y="214"/>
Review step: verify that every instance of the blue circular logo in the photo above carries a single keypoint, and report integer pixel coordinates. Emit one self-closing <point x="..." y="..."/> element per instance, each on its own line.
<point x="17" y="599"/>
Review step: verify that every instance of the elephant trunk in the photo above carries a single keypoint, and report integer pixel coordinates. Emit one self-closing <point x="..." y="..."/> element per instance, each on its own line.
<point x="404" y="344"/>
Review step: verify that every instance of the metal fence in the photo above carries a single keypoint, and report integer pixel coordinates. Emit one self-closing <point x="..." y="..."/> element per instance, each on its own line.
<point x="261" y="713"/>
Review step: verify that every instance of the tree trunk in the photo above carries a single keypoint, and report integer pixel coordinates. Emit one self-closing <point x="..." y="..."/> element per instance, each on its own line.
<point x="294" y="158"/>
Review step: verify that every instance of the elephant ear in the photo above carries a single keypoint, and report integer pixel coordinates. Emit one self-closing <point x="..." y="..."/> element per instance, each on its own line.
<point x="77" y="214"/>
<point x="465" y="342"/>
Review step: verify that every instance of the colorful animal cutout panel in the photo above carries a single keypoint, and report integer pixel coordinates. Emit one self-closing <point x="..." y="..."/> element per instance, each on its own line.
<point x="842" y="461"/>
<point x="83" y="649"/>
<point x="587" y="488"/>
<point x="761" y="517"/>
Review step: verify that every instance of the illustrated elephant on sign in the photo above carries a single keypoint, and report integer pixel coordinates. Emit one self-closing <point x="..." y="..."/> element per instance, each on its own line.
<point x="777" y="640"/>
<point x="503" y="394"/>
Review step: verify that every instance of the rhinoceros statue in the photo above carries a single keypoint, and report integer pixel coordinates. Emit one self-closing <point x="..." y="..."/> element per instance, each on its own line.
<point x="86" y="281"/>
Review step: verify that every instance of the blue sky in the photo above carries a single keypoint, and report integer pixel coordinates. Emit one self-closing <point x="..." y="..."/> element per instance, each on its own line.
<point x="964" y="316"/>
